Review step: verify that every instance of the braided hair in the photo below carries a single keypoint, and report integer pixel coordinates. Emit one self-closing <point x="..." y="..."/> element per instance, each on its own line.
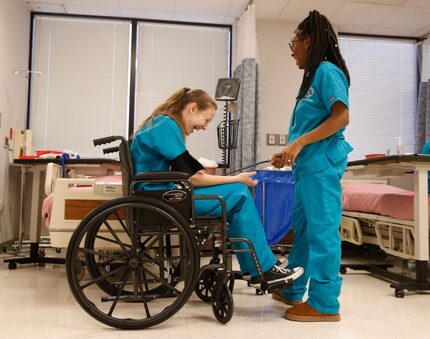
<point x="323" y="46"/>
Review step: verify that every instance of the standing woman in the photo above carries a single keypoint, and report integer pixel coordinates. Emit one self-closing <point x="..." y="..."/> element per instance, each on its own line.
<point x="159" y="145"/>
<point x="317" y="150"/>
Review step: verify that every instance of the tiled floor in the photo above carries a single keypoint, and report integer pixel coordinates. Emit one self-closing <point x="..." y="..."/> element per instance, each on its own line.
<point x="36" y="303"/>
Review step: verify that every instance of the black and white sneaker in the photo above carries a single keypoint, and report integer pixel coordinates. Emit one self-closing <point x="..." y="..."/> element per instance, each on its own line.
<point x="277" y="273"/>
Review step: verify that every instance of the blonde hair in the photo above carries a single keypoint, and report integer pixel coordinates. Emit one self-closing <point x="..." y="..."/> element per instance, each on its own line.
<point x="176" y="103"/>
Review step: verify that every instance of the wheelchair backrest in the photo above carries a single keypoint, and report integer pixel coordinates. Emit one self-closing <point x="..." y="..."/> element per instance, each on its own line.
<point x="126" y="166"/>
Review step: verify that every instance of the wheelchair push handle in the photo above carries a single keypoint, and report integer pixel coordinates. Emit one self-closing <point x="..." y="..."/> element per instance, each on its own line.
<point x="111" y="150"/>
<point x="107" y="140"/>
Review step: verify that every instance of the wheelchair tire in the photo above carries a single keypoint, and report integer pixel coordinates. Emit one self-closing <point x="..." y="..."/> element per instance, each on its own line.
<point x="144" y="286"/>
<point x="222" y="300"/>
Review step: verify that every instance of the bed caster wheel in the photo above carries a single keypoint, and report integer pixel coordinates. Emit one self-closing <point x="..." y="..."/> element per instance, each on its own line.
<point x="58" y="250"/>
<point x="343" y="270"/>
<point x="399" y="293"/>
<point x="222" y="300"/>
<point x="12" y="265"/>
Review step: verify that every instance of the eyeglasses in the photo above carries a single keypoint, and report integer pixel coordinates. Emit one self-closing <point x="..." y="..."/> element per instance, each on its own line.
<point x="292" y="44"/>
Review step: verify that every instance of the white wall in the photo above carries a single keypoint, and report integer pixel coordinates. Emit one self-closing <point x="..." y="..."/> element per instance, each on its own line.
<point x="14" y="37"/>
<point x="280" y="80"/>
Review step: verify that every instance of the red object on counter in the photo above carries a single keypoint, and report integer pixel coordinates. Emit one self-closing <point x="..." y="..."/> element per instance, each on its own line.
<point x="40" y="152"/>
<point x="27" y="157"/>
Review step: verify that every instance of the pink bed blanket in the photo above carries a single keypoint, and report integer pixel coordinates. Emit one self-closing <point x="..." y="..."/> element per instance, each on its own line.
<point x="47" y="202"/>
<point x="379" y="199"/>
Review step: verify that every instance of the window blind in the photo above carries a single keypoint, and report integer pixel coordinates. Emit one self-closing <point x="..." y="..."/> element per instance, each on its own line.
<point x="83" y="91"/>
<point x="382" y="95"/>
<point x="172" y="56"/>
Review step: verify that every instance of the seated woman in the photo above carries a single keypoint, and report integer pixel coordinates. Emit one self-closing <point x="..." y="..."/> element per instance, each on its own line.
<point x="159" y="145"/>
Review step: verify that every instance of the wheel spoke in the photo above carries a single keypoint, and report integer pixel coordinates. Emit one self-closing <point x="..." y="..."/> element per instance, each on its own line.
<point x="124" y="227"/>
<point x="103" y="277"/>
<point x="86" y="250"/>
<point x="145" y="304"/>
<point x="111" y="240"/>
<point x="118" y="294"/>
<point x="120" y="243"/>
<point x="162" y="281"/>
<point x="153" y="241"/>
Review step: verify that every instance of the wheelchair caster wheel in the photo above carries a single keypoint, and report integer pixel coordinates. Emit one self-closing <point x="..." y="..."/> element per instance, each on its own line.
<point x="259" y="291"/>
<point x="206" y="284"/>
<point x="12" y="265"/>
<point x="222" y="302"/>
<point x="399" y="293"/>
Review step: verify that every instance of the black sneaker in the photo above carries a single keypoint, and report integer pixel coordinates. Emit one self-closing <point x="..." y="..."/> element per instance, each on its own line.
<point x="281" y="263"/>
<point x="277" y="273"/>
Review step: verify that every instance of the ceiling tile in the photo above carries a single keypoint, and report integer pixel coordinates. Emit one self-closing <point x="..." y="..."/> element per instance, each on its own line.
<point x="144" y="14"/>
<point x="237" y="7"/>
<point x="91" y="3"/>
<point x="46" y="7"/>
<point x="417" y="3"/>
<point x="193" y="17"/>
<point x="379" y="2"/>
<point x="149" y="5"/>
<point x="348" y="28"/>
<point x="206" y="7"/>
<point x="97" y="11"/>
<point x="269" y="10"/>
<point x="407" y="17"/>
<point x="297" y="10"/>
<point x="395" y="31"/>
<point x="423" y="32"/>
<point x="362" y="14"/>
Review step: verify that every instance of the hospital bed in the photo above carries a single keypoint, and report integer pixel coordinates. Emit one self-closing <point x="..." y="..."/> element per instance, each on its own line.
<point x="394" y="219"/>
<point x="69" y="200"/>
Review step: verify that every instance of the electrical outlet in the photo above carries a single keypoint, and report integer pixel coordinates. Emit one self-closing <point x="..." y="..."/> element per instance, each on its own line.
<point x="272" y="139"/>
<point x="283" y="139"/>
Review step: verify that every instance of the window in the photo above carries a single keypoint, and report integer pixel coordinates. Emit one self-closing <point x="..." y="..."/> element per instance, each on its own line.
<point x="382" y="95"/>
<point x="83" y="90"/>
<point x="174" y="56"/>
<point x="84" y="87"/>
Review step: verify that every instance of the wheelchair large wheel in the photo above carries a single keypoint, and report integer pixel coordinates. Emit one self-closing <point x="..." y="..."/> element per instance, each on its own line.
<point x="142" y="261"/>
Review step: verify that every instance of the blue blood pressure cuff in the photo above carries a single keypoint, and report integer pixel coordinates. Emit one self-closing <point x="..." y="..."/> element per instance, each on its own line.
<point x="185" y="163"/>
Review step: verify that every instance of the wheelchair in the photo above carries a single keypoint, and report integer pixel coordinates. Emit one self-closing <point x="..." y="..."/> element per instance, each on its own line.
<point x="142" y="252"/>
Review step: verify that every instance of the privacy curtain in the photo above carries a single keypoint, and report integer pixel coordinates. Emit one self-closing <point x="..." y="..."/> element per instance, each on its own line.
<point x="248" y="112"/>
<point x="423" y="112"/>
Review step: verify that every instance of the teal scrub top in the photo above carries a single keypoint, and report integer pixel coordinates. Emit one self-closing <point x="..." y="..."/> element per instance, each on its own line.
<point x="328" y="86"/>
<point x="155" y="145"/>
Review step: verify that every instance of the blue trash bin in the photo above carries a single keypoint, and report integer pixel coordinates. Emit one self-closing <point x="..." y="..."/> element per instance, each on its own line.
<point x="274" y="199"/>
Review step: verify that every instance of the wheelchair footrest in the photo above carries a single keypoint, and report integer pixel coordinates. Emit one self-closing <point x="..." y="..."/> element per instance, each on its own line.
<point x="264" y="286"/>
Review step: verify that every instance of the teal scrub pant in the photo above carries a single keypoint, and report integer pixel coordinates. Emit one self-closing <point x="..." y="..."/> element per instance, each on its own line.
<point x="317" y="244"/>
<point x="243" y="222"/>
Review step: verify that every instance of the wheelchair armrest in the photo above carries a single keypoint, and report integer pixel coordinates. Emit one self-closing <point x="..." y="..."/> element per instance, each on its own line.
<point x="164" y="176"/>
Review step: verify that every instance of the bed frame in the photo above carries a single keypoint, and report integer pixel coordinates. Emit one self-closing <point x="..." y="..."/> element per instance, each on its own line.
<point x="402" y="238"/>
<point x="73" y="199"/>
